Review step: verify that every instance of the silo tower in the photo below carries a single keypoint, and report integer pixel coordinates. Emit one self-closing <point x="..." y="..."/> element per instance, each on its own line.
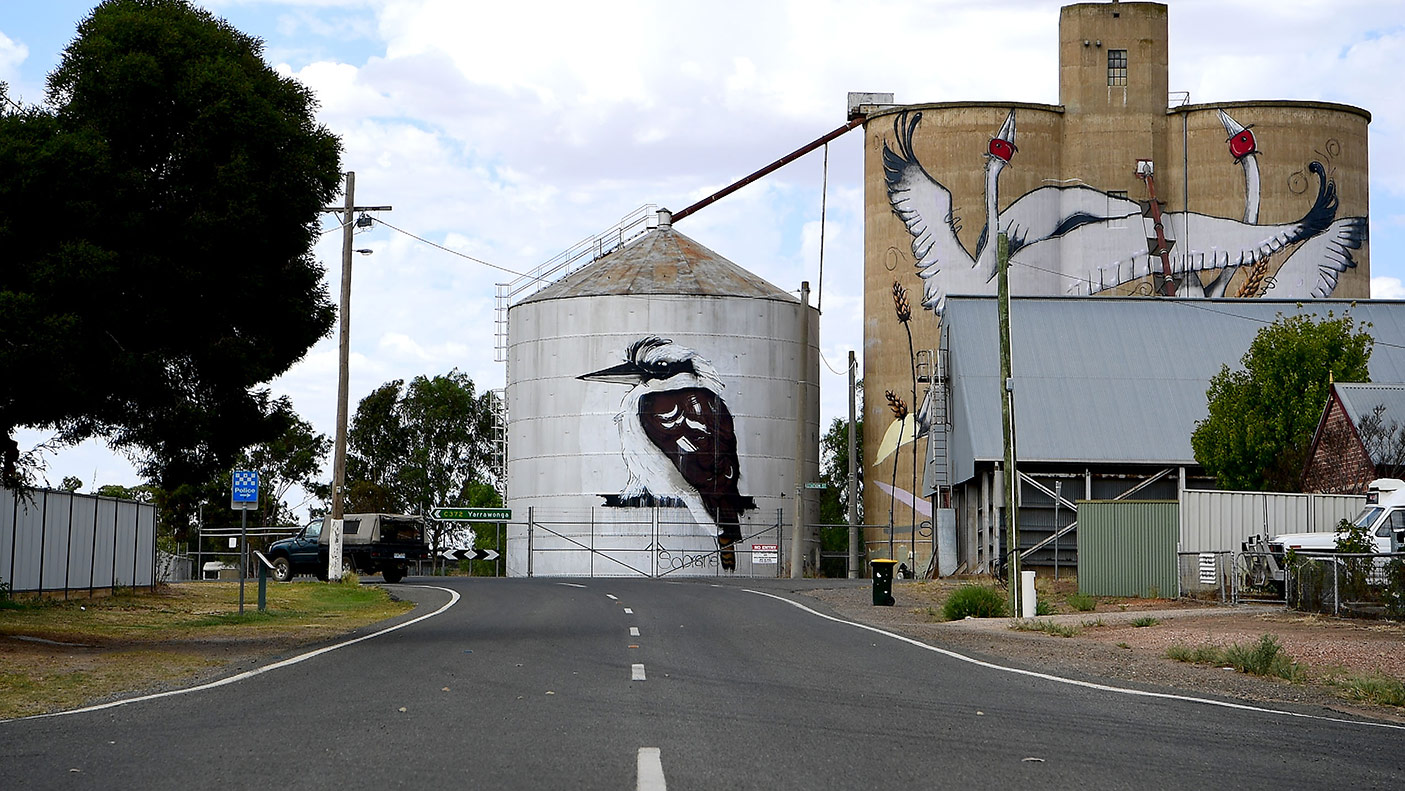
<point x="654" y="401"/>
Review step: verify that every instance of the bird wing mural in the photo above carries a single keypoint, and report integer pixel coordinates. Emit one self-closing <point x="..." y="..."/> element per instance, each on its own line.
<point x="1080" y="240"/>
<point x="1311" y="271"/>
<point x="924" y="206"/>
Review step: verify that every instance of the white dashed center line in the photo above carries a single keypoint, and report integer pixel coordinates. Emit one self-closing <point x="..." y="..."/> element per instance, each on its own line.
<point x="628" y="611"/>
<point x="650" y="770"/>
<point x="633" y="631"/>
<point x="637" y="672"/>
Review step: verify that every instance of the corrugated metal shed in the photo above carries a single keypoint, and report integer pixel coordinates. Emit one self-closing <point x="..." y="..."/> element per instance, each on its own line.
<point x="1360" y="400"/>
<point x="1116" y="380"/>
<point x="662" y="261"/>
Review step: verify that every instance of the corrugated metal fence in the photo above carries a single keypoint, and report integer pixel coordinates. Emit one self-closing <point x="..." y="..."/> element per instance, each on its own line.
<point x="1127" y="548"/>
<point x="52" y="541"/>
<point x="1213" y="521"/>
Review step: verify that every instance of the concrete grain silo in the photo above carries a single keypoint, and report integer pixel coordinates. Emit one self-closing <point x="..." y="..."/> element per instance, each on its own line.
<point x="653" y="416"/>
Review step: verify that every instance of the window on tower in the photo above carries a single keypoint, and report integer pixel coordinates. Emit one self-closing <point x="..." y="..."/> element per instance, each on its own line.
<point x="1117" y="67"/>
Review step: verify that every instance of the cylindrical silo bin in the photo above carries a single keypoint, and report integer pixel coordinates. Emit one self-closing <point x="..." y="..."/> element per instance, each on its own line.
<point x="652" y="417"/>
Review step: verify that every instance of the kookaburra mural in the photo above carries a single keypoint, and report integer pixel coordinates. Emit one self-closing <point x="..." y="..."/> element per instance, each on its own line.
<point x="678" y="439"/>
<point x="1081" y="240"/>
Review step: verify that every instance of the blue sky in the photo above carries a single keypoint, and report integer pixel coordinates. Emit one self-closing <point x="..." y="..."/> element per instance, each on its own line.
<point x="510" y="131"/>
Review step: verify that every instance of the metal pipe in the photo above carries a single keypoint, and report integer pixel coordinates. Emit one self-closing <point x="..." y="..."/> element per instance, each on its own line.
<point x="774" y="166"/>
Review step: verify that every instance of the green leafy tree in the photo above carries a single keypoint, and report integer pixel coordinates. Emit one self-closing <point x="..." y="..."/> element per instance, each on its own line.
<point x="1261" y="419"/>
<point x="157" y="216"/>
<point x="413" y="447"/>
<point x="293" y="458"/>
<point x="834" y="498"/>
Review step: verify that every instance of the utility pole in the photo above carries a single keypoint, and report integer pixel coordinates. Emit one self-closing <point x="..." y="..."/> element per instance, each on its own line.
<point x="853" y="475"/>
<point x="346" y="212"/>
<point x="797" y="532"/>
<point x="1007" y="412"/>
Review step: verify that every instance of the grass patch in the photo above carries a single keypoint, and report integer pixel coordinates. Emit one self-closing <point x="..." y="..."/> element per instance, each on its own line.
<point x="136" y="639"/>
<point x="1146" y="620"/>
<point x="87" y="677"/>
<point x="974" y="601"/>
<point x="1369" y="688"/>
<point x="1081" y="602"/>
<point x="1264" y="658"/>
<point x="201" y="609"/>
<point x="1047" y="627"/>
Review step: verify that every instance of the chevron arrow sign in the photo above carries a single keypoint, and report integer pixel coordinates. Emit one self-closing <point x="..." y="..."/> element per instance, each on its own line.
<point x="469" y="554"/>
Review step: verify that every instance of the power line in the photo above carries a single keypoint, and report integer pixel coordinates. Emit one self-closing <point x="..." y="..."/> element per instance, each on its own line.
<point x="450" y="250"/>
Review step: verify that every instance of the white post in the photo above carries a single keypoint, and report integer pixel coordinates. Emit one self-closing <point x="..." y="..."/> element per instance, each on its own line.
<point x="1027" y="594"/>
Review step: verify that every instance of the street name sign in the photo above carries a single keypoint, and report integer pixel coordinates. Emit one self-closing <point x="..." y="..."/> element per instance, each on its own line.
<point x="472" y="514"/>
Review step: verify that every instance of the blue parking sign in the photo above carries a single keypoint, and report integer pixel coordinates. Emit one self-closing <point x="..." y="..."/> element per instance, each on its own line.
<point x="244" y="489"/>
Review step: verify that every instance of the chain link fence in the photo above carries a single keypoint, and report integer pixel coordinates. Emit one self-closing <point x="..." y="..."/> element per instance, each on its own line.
<point x="1358" y="585"/>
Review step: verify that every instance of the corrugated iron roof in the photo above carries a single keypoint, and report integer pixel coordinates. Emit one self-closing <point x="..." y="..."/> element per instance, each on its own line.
<point x="1116" y="380"/>
<point x="662" y="261"/>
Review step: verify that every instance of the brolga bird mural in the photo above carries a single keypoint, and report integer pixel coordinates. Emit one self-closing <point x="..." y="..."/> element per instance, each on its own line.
<point x="1080" y="240"/>
<point x="678" y="439"/>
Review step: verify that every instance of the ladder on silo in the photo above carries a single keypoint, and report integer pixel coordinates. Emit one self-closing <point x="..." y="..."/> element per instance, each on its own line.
<point x="931" y="370"/>
<point x="592" y="248"/>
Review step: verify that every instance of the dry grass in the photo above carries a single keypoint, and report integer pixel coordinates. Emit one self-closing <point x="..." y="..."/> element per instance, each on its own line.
<point x="58" y="654"/>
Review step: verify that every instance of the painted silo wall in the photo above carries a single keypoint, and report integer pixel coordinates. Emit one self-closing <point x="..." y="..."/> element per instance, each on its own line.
<point x="564" y="448"/>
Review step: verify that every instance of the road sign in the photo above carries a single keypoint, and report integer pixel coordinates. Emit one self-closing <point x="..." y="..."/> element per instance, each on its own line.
<point x="244" y="490"/>
<point x="469" y="554"/>
<point x="472" y="514"/>
<point x="817" y="485"/>
<point x="765" y="553"/>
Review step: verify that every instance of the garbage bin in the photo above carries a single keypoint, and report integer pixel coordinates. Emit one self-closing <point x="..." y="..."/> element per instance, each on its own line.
<point x="882" y="581"/>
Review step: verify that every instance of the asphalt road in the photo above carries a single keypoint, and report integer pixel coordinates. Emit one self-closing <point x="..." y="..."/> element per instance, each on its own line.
<point x="544" y="684"/>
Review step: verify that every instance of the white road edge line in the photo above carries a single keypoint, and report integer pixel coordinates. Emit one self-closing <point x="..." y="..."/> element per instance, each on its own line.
<point x="636" y="672"/>
<point x="570" y="584"/>
<point x="649" y="767"/>
<point x="258" y="671"/>
<point x="633" y="631"/>
<point x="1075" y="682"/>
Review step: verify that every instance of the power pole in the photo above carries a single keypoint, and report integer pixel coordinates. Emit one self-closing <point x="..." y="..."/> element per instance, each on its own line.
<point x="346" y="212"/>
<point x="1007" y="412"/>
<point x="853" y="475"/>
<point x="798" y="532"/>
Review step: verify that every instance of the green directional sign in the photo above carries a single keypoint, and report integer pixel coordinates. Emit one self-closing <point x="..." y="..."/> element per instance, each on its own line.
<point x="472" y="514"/>
<point x="817" y="485"/>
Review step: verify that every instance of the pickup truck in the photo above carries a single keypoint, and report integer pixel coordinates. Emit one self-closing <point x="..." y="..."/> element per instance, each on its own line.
<point x="1383" y="516"/>
<point x="371" y="544"/>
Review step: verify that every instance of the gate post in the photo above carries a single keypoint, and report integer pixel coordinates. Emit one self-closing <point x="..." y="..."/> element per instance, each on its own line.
<point x="654" y="543"/>
<point x="531" y="523"/>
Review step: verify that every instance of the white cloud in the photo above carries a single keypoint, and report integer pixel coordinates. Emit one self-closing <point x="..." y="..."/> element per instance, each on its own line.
<point x="1387" y="288"/>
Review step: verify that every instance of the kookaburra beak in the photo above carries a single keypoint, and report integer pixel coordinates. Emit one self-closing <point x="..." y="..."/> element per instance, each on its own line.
<point x="622" y="374"/>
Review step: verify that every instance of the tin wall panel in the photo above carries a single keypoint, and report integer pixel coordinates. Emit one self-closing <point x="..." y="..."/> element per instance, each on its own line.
<point x="1215" y="521"/>
<point x="145" y="533"/>
<point x="1128" y="548"/>
<point x="80" y="542"/>
<point x="125" y="550"/>
<point x="53" y="553"/>
<point x="104" y="543"/>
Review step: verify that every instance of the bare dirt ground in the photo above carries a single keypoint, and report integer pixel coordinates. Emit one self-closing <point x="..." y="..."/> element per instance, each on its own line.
<point x="1109" y="647"/>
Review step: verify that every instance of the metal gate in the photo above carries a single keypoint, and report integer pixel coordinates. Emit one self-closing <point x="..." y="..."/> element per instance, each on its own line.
<point x="636" y="542"/>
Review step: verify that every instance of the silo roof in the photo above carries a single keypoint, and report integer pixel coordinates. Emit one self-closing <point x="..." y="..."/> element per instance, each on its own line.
<point x="663" y="262"/>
